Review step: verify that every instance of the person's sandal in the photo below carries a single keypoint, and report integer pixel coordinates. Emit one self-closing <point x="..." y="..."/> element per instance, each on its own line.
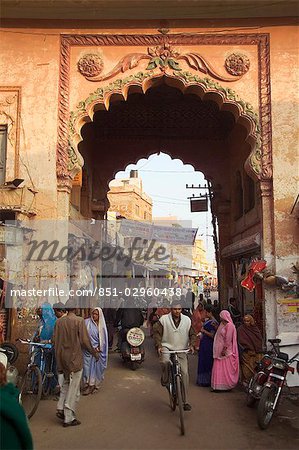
<point x="60" y="414"/>
<point x="86" y="391"/>
<point x="73" y="423"/>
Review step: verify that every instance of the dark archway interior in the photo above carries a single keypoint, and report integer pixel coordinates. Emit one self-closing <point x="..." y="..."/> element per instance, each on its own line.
<point x="163" y="119"/>
<point x="164" y="112"/>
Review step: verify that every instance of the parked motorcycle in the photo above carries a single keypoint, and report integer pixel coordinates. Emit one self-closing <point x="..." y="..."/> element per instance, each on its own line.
<point x="132" y="349"/>
<point x="257" y="381"/>
<point x="271" y="391"/>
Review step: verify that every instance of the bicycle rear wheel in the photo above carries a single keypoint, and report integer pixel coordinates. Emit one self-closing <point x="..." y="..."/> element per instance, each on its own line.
<point x="179" y="391"/>
<point x="31" y="390"/>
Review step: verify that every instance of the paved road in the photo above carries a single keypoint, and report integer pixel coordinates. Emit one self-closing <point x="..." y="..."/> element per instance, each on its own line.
<point x="131" y="412"/>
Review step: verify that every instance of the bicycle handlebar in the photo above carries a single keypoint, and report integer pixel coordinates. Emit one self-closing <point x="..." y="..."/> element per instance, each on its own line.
<point x="35" y="344"/>
<point x="176" y="351"/>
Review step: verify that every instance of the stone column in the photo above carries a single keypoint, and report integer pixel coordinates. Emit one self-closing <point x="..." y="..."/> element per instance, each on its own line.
<point x="268" y="253"/>
<point x="223" y="216"/>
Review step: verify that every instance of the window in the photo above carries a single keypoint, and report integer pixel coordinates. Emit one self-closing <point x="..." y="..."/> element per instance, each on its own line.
<point x="137" y="210"/>
<point x="3" y="144"/>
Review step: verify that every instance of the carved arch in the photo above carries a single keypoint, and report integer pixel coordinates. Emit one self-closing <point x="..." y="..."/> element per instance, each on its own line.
<point x="205" y="88"/>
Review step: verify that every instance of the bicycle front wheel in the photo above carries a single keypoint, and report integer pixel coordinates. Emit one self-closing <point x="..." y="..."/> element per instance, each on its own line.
<point x="179" y="392"/>
<point x="31" y="390"/>
<point x="172" y="395"/>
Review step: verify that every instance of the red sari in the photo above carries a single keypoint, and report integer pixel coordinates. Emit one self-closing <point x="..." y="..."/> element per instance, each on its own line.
<point x="198" y="317"/>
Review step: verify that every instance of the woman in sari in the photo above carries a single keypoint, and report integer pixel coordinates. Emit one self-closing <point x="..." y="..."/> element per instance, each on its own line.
<point x="251" y="344"/>
<point x="45" y="330"/>
<point x="198" y="317"/>
<point x="225" y="373"/>
<point x="205" y="355"/>
<point x="93" y="371"/>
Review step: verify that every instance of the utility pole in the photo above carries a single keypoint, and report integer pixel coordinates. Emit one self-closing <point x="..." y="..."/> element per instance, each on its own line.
<point x="209" y="194"/>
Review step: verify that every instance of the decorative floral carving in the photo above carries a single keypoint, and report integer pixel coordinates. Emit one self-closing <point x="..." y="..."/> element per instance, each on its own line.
<point x="90" y="65"/>
<point x="237" y="64"/>
<point x="162" y="56"/>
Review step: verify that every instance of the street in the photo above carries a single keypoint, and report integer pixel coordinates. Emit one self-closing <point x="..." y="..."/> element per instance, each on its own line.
<point x="131" y="411"/>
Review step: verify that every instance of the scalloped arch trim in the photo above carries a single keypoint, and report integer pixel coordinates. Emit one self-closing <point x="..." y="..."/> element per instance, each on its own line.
<point x="226" y="98"/>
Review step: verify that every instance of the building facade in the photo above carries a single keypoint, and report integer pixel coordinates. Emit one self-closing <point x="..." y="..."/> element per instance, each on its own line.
<point x="92" y="96"/>
<point x="127" y="198"/>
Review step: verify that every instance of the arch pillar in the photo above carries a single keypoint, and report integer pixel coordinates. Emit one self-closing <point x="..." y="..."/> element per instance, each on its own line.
<point x="268" y="253"/>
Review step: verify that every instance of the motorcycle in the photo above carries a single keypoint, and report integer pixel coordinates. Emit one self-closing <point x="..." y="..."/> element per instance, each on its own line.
<point x="272" y="389"/>
<point x="259" y="378"/>
<point x="132" y="349"/>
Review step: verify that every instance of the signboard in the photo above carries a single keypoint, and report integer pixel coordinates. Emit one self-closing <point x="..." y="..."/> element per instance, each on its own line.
<point x="171" y="235"/>
<point x="289" y="305"/>
<point x="199" y="205"/>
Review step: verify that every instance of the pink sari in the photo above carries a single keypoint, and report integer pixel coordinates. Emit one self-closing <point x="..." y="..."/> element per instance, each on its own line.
<point x="225" y="373"/>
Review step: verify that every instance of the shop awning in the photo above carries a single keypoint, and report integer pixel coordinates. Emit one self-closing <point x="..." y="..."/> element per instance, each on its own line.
<point x="243" y="246"/>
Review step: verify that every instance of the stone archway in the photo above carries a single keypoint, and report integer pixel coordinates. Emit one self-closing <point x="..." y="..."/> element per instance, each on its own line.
<point x="257" y="164"/>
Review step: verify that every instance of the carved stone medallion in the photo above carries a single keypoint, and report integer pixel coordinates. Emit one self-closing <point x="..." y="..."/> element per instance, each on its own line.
<point x="237" y="64"/>
<point x="90" y="65"/>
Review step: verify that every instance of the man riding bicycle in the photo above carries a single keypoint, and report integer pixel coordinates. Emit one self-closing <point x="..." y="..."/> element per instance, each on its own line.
<point x="173" y="331"/>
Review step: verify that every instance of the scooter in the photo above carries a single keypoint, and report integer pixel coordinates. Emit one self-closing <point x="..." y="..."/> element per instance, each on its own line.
<point x="10" y="350"/>
<point x="272" y="389"/>
<point x="132" y="349"/>
<point x="12" y="353"/>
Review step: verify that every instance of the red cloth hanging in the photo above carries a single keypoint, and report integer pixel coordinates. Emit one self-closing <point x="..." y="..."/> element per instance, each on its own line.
<point x="255" y="266"/>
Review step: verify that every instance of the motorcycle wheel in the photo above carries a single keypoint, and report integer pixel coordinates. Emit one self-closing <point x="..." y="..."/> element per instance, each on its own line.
<point x="250" y="400"/>
<point x="134" y="365"/>
<point x="265" y="411"/>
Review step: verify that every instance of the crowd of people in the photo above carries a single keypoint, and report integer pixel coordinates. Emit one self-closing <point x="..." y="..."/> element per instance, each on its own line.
<point x="228" y="349"/>
<point x="80" y="348"/>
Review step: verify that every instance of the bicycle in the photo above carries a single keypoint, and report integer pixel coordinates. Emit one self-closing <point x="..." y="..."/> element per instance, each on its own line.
<point x="37" y="379"/>
<point x="175" y="385"/>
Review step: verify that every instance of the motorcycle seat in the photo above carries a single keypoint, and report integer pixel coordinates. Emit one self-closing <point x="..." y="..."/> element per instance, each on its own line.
<point x="283" y="356"/>
<point x="274" y="341"/>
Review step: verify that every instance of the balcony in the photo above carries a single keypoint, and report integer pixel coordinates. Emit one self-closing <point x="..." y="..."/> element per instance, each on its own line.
<point x="18" y="200"/>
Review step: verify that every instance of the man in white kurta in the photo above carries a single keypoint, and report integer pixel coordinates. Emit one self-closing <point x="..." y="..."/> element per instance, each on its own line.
<point x="173" y="331"/>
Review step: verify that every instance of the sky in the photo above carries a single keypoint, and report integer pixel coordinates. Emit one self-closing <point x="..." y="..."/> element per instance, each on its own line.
<point x="164" y="180"/>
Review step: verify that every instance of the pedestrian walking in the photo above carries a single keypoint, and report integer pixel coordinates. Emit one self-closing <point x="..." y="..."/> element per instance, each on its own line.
<point x="93" y="370"/>
<point x="14" y="429"/>
<point x="70" y="337"/>
<point x="198" y="317"/>
<point x="205" y="355"/>
<point x="225" y="373"/>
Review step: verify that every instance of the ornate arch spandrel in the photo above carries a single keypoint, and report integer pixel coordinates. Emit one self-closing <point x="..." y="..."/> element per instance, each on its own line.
<point x="261" y="163"/>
